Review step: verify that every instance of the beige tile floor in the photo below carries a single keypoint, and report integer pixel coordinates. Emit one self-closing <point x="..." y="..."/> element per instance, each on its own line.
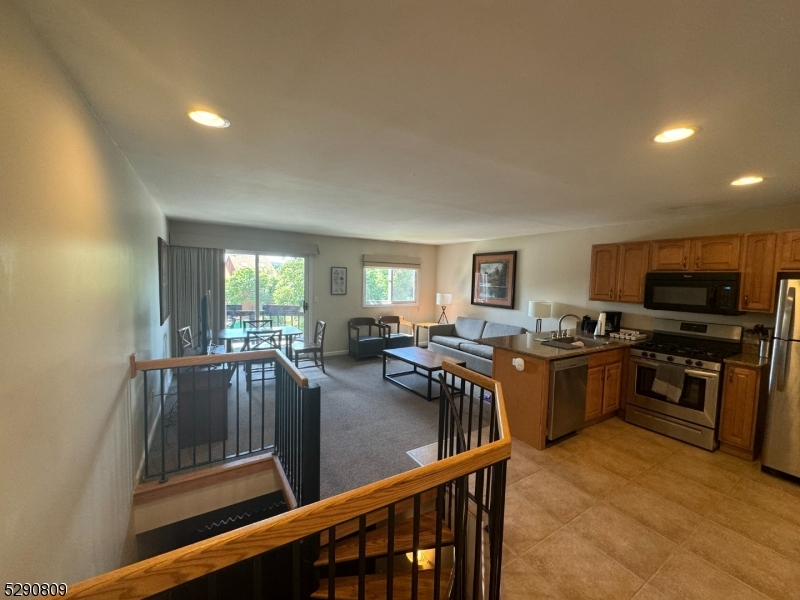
<point x="620" y="512"/>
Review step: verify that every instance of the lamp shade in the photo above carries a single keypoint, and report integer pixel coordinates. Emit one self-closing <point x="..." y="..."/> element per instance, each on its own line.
<point x="444" y="299"/>
<point x="540" y="310"/>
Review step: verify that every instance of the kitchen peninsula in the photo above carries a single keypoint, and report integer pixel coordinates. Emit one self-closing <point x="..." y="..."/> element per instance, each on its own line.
<point x="527" y="391"/>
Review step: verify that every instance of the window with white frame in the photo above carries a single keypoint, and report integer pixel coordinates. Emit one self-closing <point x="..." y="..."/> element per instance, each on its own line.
<point x="390" y="280"/>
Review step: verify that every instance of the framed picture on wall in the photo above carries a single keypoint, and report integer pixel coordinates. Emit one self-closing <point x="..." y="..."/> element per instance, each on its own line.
<point x="163" y="279"/>
<point x="338" y="281"/>
<point x="493" y="279"/>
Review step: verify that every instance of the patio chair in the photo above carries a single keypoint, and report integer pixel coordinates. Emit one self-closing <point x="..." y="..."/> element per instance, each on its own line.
<point x="371" y="344"/>
<point x="257" y="324"/>
<point x="315" y="347"/>
<point x="398" y="339"/>
<point x="260" y="340"/>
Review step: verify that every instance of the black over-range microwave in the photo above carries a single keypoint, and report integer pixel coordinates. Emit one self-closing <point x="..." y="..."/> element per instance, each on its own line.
<point x="714" y="293"/>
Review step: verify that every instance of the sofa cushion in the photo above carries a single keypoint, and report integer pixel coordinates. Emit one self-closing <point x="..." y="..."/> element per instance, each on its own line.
<point x="478" y="350"/>
<point x="499" y="329"/>
<point x="469" y="329"/>
<point x="447" y="340"/>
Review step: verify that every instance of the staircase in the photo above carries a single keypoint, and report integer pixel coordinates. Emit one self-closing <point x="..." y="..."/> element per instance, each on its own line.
<point x="375" y="545"/>
<point x="433" y="533"/>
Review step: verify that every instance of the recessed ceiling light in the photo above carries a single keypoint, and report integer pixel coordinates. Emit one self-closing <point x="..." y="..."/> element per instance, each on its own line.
<point x="674" y="135"/>
<point x="748" y="180"/>
<point x="208" y="118"/>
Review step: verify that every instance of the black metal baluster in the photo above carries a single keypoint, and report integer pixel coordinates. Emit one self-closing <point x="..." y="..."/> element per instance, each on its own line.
<point x="146" y="430"/>
<point x="390" y="553"/>
<point x="258" y="578"/>
<point x="163" y="435"/>
<point x="238" y="410"/>
<point x="437" y="554"/>
<point x="332" y="563"/>
<point x="479" y="508"/>
<point x="208" y="393"/>
<point x="296" y="571"/>
<point x="415" y="550"/>
<point x="362" y="557"/>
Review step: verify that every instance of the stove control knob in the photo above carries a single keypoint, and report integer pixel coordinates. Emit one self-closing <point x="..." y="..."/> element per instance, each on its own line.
<point x="698" y="363"/>
<point x="688" y="362"/>
<point x="644" y="354"/>
<point x="652" y="355"/>
<point x="670" y="359"/>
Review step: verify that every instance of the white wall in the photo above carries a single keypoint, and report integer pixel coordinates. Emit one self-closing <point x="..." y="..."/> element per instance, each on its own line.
<point x="556" y="267"/>
<point x="78" y="294"/>
<point x="333" y="252"/>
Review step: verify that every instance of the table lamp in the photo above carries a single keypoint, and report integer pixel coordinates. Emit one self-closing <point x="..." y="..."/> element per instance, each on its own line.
<point x="444" y="300"/>
<point x="540" y="310"/>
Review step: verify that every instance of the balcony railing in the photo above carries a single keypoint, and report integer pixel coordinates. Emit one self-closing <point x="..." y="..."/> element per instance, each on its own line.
<point x="202" y="410"/>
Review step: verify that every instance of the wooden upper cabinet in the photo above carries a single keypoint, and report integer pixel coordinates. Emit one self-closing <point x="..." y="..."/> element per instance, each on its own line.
<point x="757" y="291"/>
<point x="789" y="258"/>
<point x="604" y="272"/>
<point x="718" y="253"/>
<point x="670" y="255"/>
<point x="739" y="403"/>
<point x="632" y="267"/>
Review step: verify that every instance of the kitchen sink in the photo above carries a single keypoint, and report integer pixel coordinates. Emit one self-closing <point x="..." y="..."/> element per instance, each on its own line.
<point x="569" y="343"/>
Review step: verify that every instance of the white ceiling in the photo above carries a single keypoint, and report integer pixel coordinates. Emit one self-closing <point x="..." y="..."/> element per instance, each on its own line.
<point x="441" y="121"/>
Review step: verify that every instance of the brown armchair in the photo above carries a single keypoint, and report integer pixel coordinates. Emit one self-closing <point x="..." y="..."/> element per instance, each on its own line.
<point x="362" y="341"/>
<point x="398" y="339"/>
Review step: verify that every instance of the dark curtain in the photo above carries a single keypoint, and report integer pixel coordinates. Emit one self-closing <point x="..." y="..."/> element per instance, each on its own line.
<point x="195" y="272"/>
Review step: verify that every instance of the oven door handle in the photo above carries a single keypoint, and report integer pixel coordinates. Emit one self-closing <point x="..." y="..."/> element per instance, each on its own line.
<point x="645" y="363"/>
<point x="703" y="374"/>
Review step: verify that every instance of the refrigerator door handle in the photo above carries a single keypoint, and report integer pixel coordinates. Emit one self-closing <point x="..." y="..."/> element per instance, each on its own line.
<point x="781" y="357"/>
<point x="785" y="315"/>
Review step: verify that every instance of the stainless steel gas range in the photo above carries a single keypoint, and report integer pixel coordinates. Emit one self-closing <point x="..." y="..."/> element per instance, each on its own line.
<point x="695" y="349"/>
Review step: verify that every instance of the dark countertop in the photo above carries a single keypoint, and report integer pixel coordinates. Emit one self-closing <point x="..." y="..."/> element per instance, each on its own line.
<point x="747" y="360"/>
<point x="525" y="344"/>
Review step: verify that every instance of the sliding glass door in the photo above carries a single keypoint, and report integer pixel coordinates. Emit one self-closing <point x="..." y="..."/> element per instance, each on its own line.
<point x="260" y="286"/>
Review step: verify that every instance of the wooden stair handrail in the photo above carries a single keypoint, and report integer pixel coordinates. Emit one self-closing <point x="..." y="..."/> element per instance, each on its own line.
<point x="163" y="572"/>
<point x="220" y="359"/>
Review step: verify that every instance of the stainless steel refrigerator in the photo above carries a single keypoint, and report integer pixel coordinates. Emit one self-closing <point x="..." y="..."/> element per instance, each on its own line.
<point x="782" y="435"/>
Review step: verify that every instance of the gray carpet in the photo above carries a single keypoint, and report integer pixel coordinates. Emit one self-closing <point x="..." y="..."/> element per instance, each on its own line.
<point x="369" y="424"/>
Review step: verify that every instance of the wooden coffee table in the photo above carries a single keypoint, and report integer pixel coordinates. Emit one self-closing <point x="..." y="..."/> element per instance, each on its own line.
<point x="426" y="361"/>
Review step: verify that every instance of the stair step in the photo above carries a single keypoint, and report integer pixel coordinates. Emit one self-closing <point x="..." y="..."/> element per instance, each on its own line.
<point x="376" y="516"/>
<point x="377" y="542"/>
<point x="347" y="587"/>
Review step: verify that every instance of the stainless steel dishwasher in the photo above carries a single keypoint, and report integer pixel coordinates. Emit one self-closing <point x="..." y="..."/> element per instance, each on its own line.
<point x="567" y="403"/>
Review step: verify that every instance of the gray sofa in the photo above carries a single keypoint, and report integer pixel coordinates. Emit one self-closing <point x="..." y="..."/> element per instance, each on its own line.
<point x="461" y="340"/>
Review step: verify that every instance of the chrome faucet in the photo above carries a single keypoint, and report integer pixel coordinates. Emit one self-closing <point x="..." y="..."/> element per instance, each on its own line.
<point x="577" y="321"/>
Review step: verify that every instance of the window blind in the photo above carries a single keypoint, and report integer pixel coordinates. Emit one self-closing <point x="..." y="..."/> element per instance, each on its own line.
<point x="392" y="261"/>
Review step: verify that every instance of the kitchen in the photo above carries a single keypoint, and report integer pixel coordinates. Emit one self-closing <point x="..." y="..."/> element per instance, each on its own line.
<point x="721" y="388"/>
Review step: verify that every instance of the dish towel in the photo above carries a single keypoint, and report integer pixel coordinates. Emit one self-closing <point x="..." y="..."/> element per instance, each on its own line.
<point x="669" y="382"/>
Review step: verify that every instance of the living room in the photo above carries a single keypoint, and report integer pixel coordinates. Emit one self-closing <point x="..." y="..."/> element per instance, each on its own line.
<point x="87" y="193"/>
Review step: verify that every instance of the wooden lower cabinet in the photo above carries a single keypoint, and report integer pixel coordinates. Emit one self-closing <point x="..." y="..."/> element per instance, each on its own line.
<point x="525" y="393"/>
<point x="604" y="383"/>
<point x="594" y="393"/>
<point x="612" y="388"/>
<point x="741" y="418"/>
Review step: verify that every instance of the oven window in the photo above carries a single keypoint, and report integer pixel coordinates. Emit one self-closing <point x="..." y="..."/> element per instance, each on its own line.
<point x="686" y="296"/>
<point x="694" y="389"/>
